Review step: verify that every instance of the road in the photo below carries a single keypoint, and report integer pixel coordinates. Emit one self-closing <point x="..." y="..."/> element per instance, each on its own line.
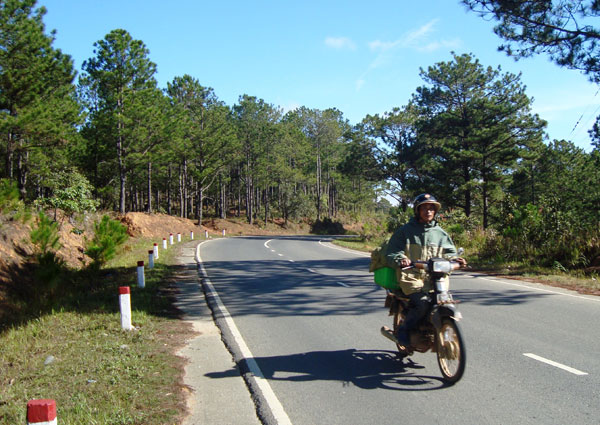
<point x="308" y="315"/>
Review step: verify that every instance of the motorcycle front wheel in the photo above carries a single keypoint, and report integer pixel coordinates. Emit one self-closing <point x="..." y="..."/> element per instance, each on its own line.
<point x="451" y="352"/>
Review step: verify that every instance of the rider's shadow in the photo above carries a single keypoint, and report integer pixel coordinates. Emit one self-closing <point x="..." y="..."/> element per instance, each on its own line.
<point x="367" y="369"/>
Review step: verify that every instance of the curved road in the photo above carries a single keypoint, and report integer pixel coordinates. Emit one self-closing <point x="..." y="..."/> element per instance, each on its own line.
<point x="309" y="315"/>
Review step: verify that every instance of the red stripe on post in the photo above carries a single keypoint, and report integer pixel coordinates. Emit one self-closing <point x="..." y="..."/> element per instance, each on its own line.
<point x="124" y="290"/>
<point x="41" y="410"/>
<point x="141" y="263"/>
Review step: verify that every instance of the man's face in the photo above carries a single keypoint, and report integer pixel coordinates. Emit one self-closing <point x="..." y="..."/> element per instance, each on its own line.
<point x="426" y="213"/>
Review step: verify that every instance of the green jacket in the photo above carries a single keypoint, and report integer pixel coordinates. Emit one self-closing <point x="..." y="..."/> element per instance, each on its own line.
<point x="418" y="242"/>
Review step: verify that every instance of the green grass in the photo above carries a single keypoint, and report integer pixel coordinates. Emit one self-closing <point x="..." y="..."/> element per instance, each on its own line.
<point x="101" y="374"/>
<point x="359" y="244"/>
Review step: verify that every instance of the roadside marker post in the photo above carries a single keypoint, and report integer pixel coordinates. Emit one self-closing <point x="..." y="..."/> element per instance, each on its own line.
<point x="140" y="273"/>
<point x="164" y="243"/>
<point x="151" y="259"/>
<point x="178" y="237"/>
<point x="206" y="234"/>
<point x="191" y="235"/>
<point x="125" y="307"/>
<point x="155" y="251"/>
<point x="223" y="232"/>
<point x="41" y="412"/>
<point x="171" y="239"/>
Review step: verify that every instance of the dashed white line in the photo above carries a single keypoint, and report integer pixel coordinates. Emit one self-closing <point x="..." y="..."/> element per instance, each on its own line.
<point x="343" y="284"/>
<point x="555" y="364"/>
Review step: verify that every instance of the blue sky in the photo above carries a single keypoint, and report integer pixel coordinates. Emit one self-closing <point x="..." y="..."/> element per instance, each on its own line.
<point x="359" y="57"/>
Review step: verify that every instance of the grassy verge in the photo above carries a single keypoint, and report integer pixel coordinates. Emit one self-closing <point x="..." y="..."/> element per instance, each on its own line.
<point x="570" y="280"/>
<point x="79" y="356"/>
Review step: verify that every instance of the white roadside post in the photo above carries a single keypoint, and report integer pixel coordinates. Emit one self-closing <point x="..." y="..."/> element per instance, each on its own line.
<point x="223" y="232"/>
<point x="164" y="243"/>
<point x="151" y="259"/>
<point x="171" y="239"/>
<point x="155" y="251"/>
<point x="206" y="234"/>
<point x="41" y="412"/>
<point x="125" y="307"/>
<point x="140" y="273"/>
<point x="191" y="235"/>
<point x="178" y="237"/>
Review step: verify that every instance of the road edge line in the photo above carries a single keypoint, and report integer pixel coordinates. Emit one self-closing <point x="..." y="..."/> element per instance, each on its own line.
<point x="268" y="407"/>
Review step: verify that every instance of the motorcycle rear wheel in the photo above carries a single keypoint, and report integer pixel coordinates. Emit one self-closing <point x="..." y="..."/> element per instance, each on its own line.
<point x="451" y="354"/>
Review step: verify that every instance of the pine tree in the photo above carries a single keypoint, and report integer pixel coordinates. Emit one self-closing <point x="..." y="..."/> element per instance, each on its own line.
<point x="38" y="110"/>
<point x="126" y="103"/>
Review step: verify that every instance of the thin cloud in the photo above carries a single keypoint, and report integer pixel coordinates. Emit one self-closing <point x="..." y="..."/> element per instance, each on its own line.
<point x="340" y="43"/>
<point x="413" y="39"/>
<point x="418" y="39"/>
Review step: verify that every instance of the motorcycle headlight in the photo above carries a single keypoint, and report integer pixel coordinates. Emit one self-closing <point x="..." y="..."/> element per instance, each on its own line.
<point x="441" y="266"/>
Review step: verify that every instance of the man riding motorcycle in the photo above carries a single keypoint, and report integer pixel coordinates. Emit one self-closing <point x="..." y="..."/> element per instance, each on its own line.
<point x="418" y="240"/>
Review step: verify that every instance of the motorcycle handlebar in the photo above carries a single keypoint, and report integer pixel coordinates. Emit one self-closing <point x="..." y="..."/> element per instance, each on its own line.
<point x="456" y="264"/>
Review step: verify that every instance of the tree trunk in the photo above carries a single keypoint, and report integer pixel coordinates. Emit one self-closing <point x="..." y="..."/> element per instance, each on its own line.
<point x="170" y="176"/>
<point x="9" y="156"/>
<point x="149" y="204"/>
<point x="249" y="193"/>
<point x="22" y="173"/>
<point x="199" y="204"/>
<point x="318" y="184"/>
<point x="223" y="201"/>
<point x="467" y="193"/>
<point x="266" y="206"/>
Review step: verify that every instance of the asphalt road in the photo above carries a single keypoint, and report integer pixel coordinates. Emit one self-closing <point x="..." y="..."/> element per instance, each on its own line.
<point x="308" y="316"/>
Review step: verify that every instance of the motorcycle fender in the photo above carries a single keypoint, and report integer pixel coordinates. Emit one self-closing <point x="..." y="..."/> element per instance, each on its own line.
<point x="447" y="310"/>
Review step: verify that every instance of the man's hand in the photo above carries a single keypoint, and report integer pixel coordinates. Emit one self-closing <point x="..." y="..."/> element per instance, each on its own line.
<point x="461" y="261"/>
<point x="405" y="262"/>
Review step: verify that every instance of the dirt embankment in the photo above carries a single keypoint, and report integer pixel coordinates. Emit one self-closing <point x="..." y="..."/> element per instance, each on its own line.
<point x="16" y="247"/>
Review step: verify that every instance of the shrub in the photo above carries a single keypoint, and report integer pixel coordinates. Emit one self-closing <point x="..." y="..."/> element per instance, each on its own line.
<point x="71" y="193"/>
<point x="108" y="236"/>
<point x="45" y="236"/>
<point x="10" y="202"/>
<point x="50" y="268"/>
<point x="327" y="227"/>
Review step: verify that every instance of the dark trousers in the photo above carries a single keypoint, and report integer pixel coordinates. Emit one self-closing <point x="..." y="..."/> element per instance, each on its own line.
<point x="417" y="308"/>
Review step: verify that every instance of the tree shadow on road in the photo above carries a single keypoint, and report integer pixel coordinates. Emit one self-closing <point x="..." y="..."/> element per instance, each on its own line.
<point x="366" y="369"/>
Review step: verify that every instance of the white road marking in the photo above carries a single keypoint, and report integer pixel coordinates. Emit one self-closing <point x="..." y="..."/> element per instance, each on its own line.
<point x="520" y="285"/>
<point x="555" y="364"/>
<point x="351" y="251"/>
<point x="311" y="270"/>
<point x="277" y="410"/>
<point x="281" y="255"/>
<point x="266" y="244"/>
<point x="343" y="284"/>
<point x="291" y="261"/>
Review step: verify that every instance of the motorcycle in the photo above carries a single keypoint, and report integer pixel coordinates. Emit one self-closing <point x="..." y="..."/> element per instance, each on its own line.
<point x="438" y="330"/>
